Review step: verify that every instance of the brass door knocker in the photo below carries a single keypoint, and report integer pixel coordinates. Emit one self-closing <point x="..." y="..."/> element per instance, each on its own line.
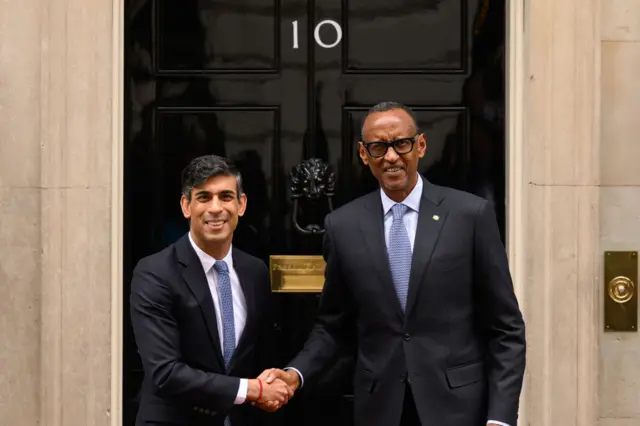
<point x="311" y="181"/>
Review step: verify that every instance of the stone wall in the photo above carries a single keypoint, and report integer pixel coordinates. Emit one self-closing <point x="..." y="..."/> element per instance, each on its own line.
<point x="561" y="177"/>
<point x="620" y="196"/>
<point x="57" y="70"/>
<point x="20" y="201"/>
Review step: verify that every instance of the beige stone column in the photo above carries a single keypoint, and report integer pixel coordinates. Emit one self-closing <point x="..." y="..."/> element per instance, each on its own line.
<point x="78" y="135"/>
<point x="620" y="208"/>
<point x="59" y="187"/>
<point x="561" y="184"/>
<point x="19" y="212"/>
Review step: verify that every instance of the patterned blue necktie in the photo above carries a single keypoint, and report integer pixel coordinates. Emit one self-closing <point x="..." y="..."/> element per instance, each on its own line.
<point x="226" y="308"/>
<point x="228" y="323"/>
<point x="400" y="254"/>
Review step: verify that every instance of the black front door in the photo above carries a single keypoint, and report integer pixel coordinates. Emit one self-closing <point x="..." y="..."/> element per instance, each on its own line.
<point x="271" y="83"/>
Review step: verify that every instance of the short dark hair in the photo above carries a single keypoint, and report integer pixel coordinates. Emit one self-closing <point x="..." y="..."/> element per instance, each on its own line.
<point x="388" y="106"/>
<point x="200" y="169"/>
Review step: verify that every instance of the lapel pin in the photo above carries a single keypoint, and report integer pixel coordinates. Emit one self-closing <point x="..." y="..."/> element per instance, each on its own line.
<point x="436" y="217"/>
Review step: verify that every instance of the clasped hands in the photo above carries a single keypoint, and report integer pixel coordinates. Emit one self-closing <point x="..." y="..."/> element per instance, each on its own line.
<point x="273" y="389"/>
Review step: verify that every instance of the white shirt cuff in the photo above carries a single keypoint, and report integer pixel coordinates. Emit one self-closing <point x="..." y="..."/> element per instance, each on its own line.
<point x="299" y="375"/>
<point x="242" y="392"/>
<point x="497" y="423"/>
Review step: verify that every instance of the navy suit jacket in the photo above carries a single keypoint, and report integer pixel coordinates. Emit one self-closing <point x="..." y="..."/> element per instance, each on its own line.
<point x="175" y="327"/>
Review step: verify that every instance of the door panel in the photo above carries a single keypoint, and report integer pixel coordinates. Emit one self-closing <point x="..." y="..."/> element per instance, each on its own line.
<point x="419" y="37"/>
<point x="230" y="77"/>
<point x="206" y="37"/>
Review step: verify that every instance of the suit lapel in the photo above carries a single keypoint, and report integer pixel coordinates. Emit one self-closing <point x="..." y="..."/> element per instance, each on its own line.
<point x="372" y="227"/>
<point x="431" y="219"/>
<point x="194" y="276"/>
<point x="244" y="275"/>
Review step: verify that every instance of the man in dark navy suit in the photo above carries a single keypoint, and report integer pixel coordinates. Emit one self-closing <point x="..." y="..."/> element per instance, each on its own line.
<point x="200" y="313"/>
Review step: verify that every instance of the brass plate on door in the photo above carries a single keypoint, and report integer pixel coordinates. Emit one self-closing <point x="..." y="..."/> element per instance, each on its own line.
<point x="296" y="274"/>
<point x="620" y="291"/>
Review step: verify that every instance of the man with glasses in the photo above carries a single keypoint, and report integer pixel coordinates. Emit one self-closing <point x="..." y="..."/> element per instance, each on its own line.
<point x="417" y="279"/>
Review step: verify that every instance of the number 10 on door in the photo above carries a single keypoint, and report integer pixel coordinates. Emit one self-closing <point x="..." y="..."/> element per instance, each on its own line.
<point x="316" y="34"/>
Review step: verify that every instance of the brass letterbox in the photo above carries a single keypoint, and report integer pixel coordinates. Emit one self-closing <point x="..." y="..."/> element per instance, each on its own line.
<point x="297" y="274"/>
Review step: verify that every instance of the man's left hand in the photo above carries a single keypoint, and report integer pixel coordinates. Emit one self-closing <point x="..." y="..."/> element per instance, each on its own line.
<point x="269" y="376"/>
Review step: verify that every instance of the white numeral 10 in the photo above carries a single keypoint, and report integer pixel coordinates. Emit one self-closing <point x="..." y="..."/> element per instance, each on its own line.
<point x="316" y="34"/>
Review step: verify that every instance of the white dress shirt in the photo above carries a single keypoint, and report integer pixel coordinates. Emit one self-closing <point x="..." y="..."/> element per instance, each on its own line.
<point x="239" y="303"/>
<point x="410" y="220"/>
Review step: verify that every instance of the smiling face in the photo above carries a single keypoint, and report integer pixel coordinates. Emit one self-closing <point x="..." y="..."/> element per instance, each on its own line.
<point x="213" y="209"/>
<point x="396" y="173"/>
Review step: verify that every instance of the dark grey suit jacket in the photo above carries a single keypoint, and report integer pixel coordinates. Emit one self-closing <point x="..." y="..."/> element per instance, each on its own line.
<point x="175" y="327"/>
<point x="460" y="345"/>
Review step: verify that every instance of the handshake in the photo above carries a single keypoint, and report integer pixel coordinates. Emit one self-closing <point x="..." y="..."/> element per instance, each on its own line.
<point x="272" y="389"/>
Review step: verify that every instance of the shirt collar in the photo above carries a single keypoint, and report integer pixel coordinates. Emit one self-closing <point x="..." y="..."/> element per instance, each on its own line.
<point x="412" y="201"/>
<point x="208" y="261"/>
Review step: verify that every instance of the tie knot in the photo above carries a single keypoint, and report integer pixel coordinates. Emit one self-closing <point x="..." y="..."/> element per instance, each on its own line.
<point x="221" y="266"/>
<point x="398" y="211"/>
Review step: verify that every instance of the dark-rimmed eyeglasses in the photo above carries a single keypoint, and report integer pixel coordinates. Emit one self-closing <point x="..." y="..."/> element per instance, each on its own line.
<point x="401" y="146"/>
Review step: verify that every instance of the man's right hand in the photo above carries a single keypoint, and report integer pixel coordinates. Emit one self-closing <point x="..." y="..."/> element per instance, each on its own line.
<point x="272" y="376"/>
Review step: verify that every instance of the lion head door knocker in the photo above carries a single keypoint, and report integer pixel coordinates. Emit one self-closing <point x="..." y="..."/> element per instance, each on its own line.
<point x="311" y="182"/>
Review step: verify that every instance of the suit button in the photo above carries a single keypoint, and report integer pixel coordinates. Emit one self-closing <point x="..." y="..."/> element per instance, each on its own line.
<point x="407" y="337"/>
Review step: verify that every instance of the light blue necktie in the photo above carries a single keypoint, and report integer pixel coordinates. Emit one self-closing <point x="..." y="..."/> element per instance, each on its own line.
<point x="226" y="307"/>
<point x="400" y="254"/>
